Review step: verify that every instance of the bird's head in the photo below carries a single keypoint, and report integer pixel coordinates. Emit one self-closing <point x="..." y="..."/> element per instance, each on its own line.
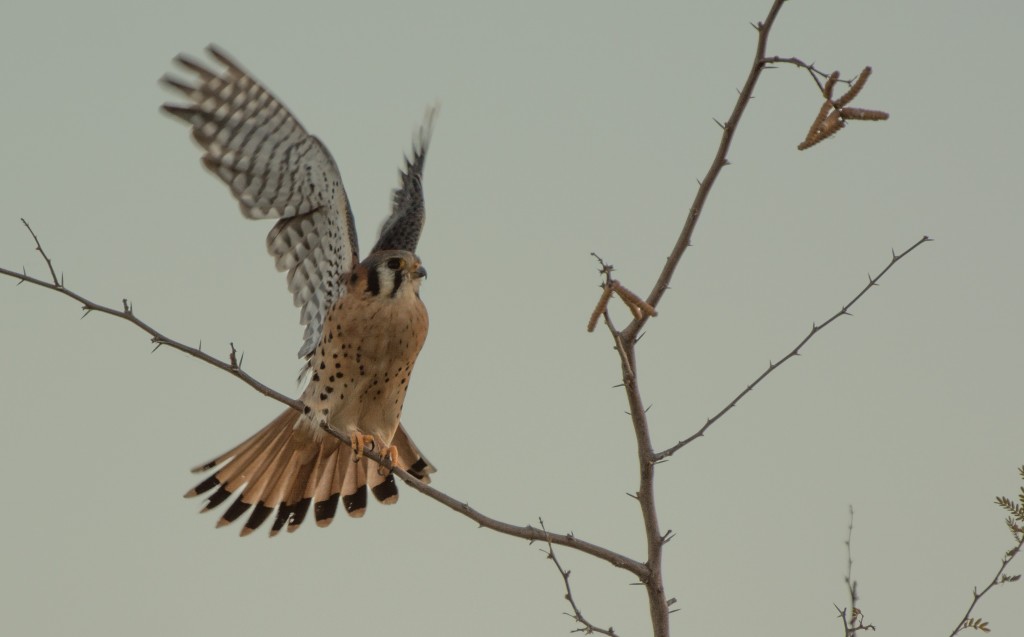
<point x="388" y="274"/>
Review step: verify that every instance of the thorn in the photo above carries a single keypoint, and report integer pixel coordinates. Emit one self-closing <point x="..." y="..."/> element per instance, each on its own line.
<point x="699" y="182"/>
<point x="633" y="495"/>
<point x="720" y="124"/>
<point x="157" y="347"/>
<point x="726" y="162"/>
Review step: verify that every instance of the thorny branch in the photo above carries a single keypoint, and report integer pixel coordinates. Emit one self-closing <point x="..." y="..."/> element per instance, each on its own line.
<point x="576" y="614"/>
<point x="772" y="366"/>
<point x="233" y="367"/>
<point x="626" y="339"/>
<point x="717" y="164"/>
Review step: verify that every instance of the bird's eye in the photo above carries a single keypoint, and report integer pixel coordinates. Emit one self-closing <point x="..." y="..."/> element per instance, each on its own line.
<point x="394" y="263"/>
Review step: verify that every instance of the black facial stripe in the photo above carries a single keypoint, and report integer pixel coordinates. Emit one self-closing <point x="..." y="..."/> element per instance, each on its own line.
<point x="373" y="282"/>
<point x="398" y="282"/>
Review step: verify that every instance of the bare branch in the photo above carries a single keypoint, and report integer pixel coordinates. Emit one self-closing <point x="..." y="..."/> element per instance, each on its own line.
<point x="576" y="614"/>
<point x="233" y="367"/>
<point x="156" y="337"/>
<point x="872" y="281"/>
<point x="625" y="341"/>
<point x="717" y="164"/>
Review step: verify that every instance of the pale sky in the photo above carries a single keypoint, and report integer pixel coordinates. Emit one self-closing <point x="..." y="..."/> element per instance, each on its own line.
<point x="566" y="128"/>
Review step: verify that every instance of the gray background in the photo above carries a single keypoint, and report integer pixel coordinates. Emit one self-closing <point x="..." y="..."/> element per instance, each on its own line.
<point x="565" y="128"/>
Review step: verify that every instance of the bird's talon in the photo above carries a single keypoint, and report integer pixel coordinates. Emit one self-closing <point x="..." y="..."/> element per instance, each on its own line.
<point x="391" y="453"/>
<point x="360" y="442"/>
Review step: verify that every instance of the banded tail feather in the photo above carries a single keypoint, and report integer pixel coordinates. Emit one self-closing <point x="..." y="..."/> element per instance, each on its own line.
<point x="288" y="468"/>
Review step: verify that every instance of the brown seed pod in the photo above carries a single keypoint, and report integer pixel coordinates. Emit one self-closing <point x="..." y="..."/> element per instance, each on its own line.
<point x="832" y="125"/>
<point x="848" y="96"/>
<point x="830" y="84"/>
<point x="864" y="114"/>
<point x="633" y="300"/>
<point x="602" y="304"/>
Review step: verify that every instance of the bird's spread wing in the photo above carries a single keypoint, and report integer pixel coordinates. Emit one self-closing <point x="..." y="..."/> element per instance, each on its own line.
<point x="401" y="231"/>
<point x="276" y="170"/>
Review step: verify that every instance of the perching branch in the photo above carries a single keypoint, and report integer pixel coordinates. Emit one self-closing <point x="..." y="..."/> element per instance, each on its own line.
<point x="815" y="329"/>
<point x="233" y="367"/>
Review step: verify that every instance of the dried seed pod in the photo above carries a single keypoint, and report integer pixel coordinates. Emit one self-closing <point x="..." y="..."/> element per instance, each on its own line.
<point x="864" y="114"/>
<point x="830" y="84"/>
<point x="633" y="299"/>
<point x="832" y="125"/>
<point x="848" y="96"/>
<point x="815" y="128"/>
<point x="602" y="303"/>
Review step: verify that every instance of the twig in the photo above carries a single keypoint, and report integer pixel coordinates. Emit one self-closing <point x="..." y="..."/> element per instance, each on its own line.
<point x="233" y="367"/>
<point x="39" y="249"/>
<point x="856" y="620"/>
<point x="872" y="281"/>
<point x="851" y="583"/>
<point x="576" y="614"/>
<point x="998" y="579"/>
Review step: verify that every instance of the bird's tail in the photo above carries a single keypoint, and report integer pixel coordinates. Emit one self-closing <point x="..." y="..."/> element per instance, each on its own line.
<point x="288" y="467"/>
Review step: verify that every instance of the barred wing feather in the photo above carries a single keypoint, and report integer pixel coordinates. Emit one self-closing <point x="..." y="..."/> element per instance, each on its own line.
<point x="275" y="169"/>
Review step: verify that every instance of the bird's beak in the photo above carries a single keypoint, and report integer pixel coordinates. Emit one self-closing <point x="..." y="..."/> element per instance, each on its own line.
<point x="419" y="273"/>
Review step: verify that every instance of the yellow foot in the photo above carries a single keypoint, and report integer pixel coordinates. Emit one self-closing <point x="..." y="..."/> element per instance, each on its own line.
<point x="359" y="444"/>
<point x="391" y="453"/>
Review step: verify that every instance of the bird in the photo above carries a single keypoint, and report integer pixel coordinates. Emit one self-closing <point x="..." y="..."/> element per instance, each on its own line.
<point x="364" y="320"/>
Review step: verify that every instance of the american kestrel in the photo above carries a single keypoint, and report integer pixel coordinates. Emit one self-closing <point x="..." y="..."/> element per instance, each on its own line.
<point x="365" y="322"/>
